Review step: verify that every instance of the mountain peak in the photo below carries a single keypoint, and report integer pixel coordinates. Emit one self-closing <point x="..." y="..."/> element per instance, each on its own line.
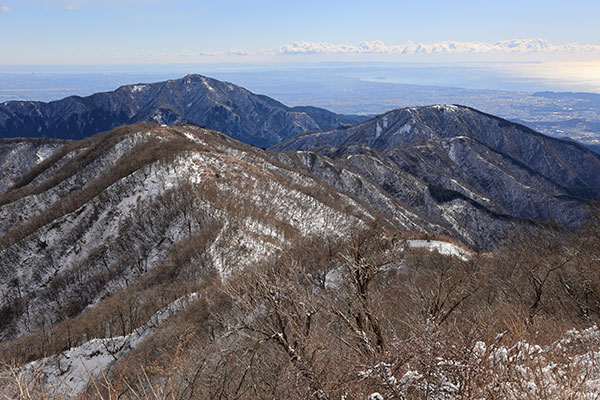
<point x="407" y="127"/>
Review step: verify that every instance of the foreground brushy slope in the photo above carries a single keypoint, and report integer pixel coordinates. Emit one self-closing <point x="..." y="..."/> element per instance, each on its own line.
<point x="368" y="316"/>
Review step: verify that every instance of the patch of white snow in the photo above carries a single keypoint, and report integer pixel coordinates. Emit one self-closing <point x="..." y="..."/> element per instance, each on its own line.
<point x="69" y="372"/>
<point x="444" y="248"/>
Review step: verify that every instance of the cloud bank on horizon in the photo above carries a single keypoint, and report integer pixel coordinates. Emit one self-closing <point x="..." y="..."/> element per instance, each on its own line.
<point x="513" y="46"/>
<point x="4" y="9"/>
<point x="505" y="50"/>
<point x="379" y="47"/>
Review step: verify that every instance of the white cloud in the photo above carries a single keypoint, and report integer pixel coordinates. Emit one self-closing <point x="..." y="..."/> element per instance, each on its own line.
<point x="522" y="46"/>
<point x="235" y="52"/>
<point x="238" y="52"/>
<point x="4" y="9"/>
<point x="73" y="5"/>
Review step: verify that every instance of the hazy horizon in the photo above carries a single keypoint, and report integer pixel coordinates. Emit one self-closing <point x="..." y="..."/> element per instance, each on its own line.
<point x="284" y="81"/>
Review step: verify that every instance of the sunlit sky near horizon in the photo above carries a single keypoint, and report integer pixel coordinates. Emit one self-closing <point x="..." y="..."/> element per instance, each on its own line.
<point x="159" y="31"/>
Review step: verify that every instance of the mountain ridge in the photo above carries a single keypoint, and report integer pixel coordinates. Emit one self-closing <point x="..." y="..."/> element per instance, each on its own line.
<point x="417" y="124"/>
<point x="455" y="163"/>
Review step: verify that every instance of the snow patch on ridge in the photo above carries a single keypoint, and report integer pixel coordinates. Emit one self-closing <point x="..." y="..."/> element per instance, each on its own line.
<point x="446" y="107"/>
<point x="208" y="86"/>
<point x="405" y="128"/>
<point x="138" y="88"/>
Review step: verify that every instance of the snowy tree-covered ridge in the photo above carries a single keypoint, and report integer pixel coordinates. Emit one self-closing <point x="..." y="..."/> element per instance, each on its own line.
<point x="19" y="156"/>
<point x="472" y="173"/>
<point x="69" y="372"/>
<point x="99" y="214"/>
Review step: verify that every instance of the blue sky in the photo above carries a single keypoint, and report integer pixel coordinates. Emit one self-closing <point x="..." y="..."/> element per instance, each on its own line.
<point x="155" y="31"/>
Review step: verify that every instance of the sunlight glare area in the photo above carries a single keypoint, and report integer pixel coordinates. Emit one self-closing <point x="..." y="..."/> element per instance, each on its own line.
<point x="579" y="75"/>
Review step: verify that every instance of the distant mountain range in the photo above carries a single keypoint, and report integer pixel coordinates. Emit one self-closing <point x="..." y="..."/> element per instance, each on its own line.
<point x="449" y="168"/>
<point x="81" y="220"/>
<point x="251" y="118"/>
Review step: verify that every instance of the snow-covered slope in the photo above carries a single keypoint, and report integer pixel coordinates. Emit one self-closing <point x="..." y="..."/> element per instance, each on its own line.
<point x="444" y="248"/>
<point x="116" y="207"/>
<point x="17" y="156"/>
